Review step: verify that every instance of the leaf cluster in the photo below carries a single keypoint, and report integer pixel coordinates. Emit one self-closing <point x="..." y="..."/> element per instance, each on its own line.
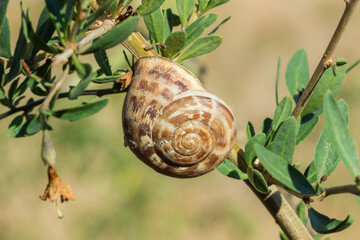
<point x="269" y="154"/>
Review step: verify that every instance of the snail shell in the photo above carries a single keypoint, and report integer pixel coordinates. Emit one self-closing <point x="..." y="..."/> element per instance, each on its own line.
<point x="172" y="124"/>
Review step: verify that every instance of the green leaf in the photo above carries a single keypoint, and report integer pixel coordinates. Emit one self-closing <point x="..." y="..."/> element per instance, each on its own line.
<point x="12" y="89"/>
<point x="77" y="113"/>
<point x="277" y="81"/>
<point x="214" y="3"/>
<point x="107" y="79"/>
<point x="33" y="124"/>
<point x="219" y="25"/>
<point x="297" y="73"/>
<point x="229" y="169"/>
<point x="283" y="172"/>
<point x="3" y="9"/>
<point x="16" y="122"/>
<point x="339" y="135"/>
<point x="257" y="180"/>
<point x="149" y="6"/>
<point x="306" y="128"/>
<point x="250" y="153"/>
<point x="203" y="4"/>
<point x="300" y="212"/>
<point x="103" y="62"/>
<point x="323" y="224"/>
<point x="5" y="46"/>
<point x="198" y="27"/>
<point x="284" y="141"/>
<point x="175" y="43"/>
<point x="282" y="112"/>
<point x="327" y="82"/>
<point x="249" y="131"/>
<point x="185" y="8"/>
<point x="115" y="36"/>
<point x="19" y="54"/>
<point x="283" y="236"/>
<point x="86" y="78"/>
<point x="201" y="46"/>
<point x="155" y="23"/>
<point x="35" y="40"/>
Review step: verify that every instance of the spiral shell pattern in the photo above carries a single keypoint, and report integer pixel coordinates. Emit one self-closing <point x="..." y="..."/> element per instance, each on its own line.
<point x="172" y="124"/>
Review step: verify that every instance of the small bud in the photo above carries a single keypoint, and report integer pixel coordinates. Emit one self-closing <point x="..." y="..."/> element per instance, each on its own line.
<point x="48" y="153"/>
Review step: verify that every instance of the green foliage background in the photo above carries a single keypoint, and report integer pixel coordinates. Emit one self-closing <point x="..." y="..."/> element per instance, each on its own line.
<point x="118" y="197"/>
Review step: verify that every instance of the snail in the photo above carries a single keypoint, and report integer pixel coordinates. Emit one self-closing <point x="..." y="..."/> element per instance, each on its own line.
<point x="172" y="124"/>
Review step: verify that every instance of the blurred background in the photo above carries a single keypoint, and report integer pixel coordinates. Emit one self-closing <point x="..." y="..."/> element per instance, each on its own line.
<point x="118" y="197"/>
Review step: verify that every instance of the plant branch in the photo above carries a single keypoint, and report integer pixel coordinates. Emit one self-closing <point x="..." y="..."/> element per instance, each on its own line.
<point x="27" y="107"/>
<point x="326" y="58"/>
<point x="63" y="57"/>
<point x="353" y="189"/>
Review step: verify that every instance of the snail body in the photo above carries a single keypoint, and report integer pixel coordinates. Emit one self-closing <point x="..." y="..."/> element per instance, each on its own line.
<point x="172" y="124"/>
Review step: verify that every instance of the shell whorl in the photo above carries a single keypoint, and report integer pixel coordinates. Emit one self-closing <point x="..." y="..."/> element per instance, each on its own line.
<point x="172" y="124"/>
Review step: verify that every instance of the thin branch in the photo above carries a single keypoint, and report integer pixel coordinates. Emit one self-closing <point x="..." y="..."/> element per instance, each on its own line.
<point x="63" y="57"/>
<point x="326" y="58"/>
<point x="27" y="107"/>
<point x="353" y="189"/>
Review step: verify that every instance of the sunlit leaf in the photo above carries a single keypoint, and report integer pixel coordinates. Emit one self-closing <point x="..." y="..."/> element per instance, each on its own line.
<point x="250" y="153"/>
<point x="306" y="128"/>
<point x="155" y="23"/>
<point x="149" y="6"/>
<point x="282" y="112"/>
<point x="284" y="141"/>
<point x="5" y="46"/>
<point x="257" y="180"/>
<point x="195" y="29"/>
<point x="297" y="73"/>
<point x="115" y="36"/>
<point x="201" y="46"/>
<point x="175" y="43"/>
<point x="327" y="82"/>
<point x="283" y="172"/>
<point x="185" y="8"/>
<point x="339" y="135"/>
<point x="229" y="169"/>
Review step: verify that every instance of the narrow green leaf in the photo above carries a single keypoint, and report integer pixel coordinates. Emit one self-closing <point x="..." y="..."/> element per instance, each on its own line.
<point x="277" y="81"/>
<point x="201" y="46"/>
<point x="3" y="9"/>
<point x="44" y="30"/>
<point x="250" y="153"/>
<point x="306" y="128"/>
<point x="103" y="62"/>
<point x="297" y="73"/>
<point x="5" y="46"/>
<point x="229" y="169"/>
<point x="249" y="131"/>
<point x="214" y="3"/>
<point x="107" y="79"/>
<point x="12" y="89"/>
<point x="219" y="25"/>
<point x="195" y="29"/>
<point x="283" y="172"/>
<point x="16" y="122"/>
<point x="19" y="54"/>
<point x="257" y="180"/>
<point x="284" y="141"/>
<point x="283" y="236"/>
<point x="32" y="125"/>
<point x="115" y="36"/>
<point x="86" y="78"/>
<point x="282" y="112"/>
<point x="327" y="82"/>
<point x="185" y="8"/>
<point x="339" y="135"/>
<point x="203" y="4"/>
<point x="77" y="113"/>
<point x="175" y="43"/>
<point x="155" y="23"/>
<point x="323" y="224"/>
<point x="149" y="6"/>
<point x="35" y="40"/>
<point x="300" y="212"/>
